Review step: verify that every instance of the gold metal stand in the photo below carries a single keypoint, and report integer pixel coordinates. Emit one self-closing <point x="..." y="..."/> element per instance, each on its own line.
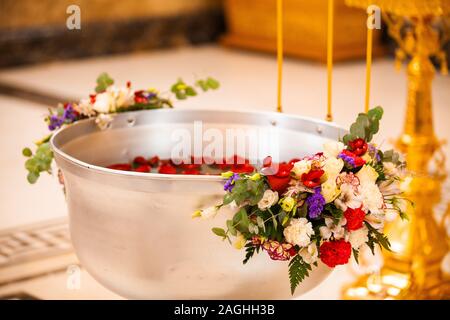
<point x="413" y="269"/>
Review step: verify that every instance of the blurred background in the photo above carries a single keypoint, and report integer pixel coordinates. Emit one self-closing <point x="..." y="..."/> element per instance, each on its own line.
<point x="43" y="61"/>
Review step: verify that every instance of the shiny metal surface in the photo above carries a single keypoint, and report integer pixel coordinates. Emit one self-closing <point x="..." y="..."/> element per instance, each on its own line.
<point x="133" y="231"/>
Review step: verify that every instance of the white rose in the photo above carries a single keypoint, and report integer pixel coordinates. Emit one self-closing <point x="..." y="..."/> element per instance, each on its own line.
<point x="269" y="199"/>
<point x="103" y="102"/>
<point x="333" y="167"/>
<point x="367" y="174"/>
<point x="301" y="167"/>
<point x="332" y="149"/>
<point x="299" y="232"/>
<point x="372" y="199"/>
<point x="309" y="254"/>
<point x="358" y="237"/>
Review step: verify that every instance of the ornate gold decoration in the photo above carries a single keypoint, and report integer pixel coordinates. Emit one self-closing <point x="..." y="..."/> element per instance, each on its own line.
<point x="413" y="269"/>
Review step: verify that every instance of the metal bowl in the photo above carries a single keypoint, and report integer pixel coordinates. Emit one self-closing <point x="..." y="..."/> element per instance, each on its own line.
<point x="133" y="232"/>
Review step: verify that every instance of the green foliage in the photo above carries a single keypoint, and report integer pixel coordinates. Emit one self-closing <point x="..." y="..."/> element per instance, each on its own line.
<point x="246" y="190"/>
<point x="298" y="270"/>
<point x="365" y="126"/>
<point x="219" y="232"/>
<point x="209" y="83"/>
<point x="41" y="161"/>
<point x="356" y="255"/>
<point x="250" y="250"/>
<point x="103" y="82"/>
<point x="376" y="237"/>
<point x="392" y="156"/>
<point x="181" y="90"/>
<point x="334" y="212"/>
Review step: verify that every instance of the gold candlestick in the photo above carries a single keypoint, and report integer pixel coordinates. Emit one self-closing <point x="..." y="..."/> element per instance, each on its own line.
<point x="412" y="270"/>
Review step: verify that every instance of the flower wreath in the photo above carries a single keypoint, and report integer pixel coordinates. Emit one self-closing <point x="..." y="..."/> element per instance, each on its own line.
<point x="325" y="206"/>
<point x="107" y="100"/>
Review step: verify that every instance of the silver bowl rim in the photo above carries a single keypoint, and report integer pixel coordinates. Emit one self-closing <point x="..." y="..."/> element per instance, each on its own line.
<point x="160" y="176"/>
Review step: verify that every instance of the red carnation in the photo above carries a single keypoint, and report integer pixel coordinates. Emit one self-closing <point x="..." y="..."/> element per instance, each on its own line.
<point x="354" y="159"/>
<point x="279" y="251"/>
<point x="358" y="146"/>
<point x="355" y="218"/>
<point x="167" y="169"/>
<point x="279" y="179"/>
<point x="312" y="178"/>
<point x="334" y="253"/>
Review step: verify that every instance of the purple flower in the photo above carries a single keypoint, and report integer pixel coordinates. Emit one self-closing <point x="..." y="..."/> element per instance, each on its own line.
<point x="69" y="115"/>
<point x="229" y="184"/>
<point x="347" y="159"/>
<point x="55" y="122"/>
<point x="373" y="150"/>
<point x="315" y="203"/>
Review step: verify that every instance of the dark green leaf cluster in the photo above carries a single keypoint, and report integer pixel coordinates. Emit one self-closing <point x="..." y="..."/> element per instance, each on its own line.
<point x="298" y="270"/>
<point x="376" y="237"/>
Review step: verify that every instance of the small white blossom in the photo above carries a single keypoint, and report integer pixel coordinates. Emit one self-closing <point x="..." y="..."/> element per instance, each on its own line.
<point x="299" y="232"/>
<point x="209" y="212"/>
<point x="390" y="169"/>
<point x="349" y="197"/>
<point x="376" y="220"/>
<point x="358" y="237"/>
<point x="332" y="149"/>
<point x="103" y="121"/>
<point x="332" y="229"/>
<point x="269" y="199"/>
<point x="84" y="107"/>
<point x="309" y="254"/>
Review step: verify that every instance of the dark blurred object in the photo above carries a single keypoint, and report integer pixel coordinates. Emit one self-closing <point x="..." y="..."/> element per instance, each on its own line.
<point x="251" y="25"/>
<point x="35" y="31"/>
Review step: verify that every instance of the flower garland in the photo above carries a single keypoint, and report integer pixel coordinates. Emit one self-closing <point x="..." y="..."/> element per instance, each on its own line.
<point x="107" y="100"/>
<point x="326" y="206"/>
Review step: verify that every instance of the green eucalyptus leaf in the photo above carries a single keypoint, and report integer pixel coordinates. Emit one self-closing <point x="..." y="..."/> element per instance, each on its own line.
<point x="103" y="82"/>
<point x="219" y="232"/>
<point x="27" y="152"/>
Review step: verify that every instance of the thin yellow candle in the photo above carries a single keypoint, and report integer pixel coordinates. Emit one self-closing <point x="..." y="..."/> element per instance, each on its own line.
<point x="279" y="51"/>
<point x="368" y="67"/>
<point x="330" y="58"/>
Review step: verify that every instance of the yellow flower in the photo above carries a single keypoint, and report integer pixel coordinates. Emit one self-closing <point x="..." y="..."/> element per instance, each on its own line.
<point x="367" y="174"/>
<point x="226" y="174"/>
<point x="255" y="177"/>
<point x="197" y="214"/>
<point x="240" y="241"/>
<point x="287" y="204"/>
<point x="330" y="191"/>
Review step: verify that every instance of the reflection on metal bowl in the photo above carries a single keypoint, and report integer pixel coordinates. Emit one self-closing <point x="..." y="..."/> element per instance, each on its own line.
<point x="134" y="232"/>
